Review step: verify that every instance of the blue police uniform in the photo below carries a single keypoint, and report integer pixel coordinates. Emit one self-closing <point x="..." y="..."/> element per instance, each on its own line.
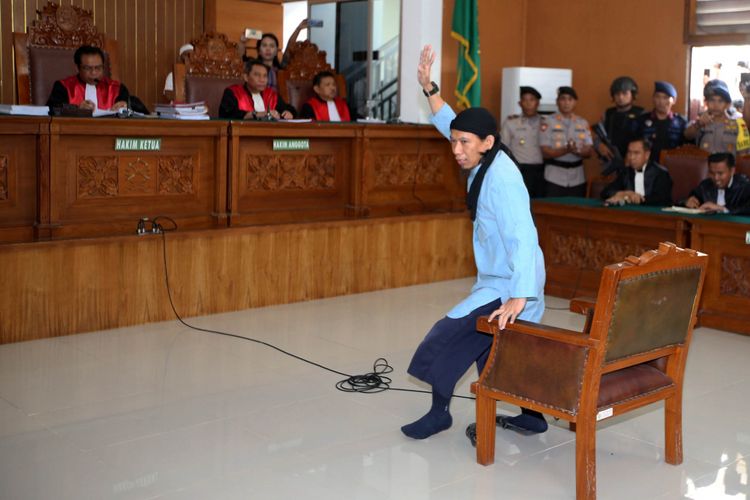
<point x="663" y="134"/>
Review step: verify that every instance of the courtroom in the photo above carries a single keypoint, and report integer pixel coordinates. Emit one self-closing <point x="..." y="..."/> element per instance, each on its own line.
<point x="374" y="249"/>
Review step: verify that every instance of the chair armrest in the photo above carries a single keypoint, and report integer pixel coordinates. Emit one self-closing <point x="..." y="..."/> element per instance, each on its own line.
<point x="538" y="330"/>
<point x="582" y="305"/>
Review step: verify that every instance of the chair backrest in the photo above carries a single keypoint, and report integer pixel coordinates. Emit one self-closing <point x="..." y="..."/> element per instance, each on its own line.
<point x="647" y="303"/>
<point x="295" y="80"/>
<point x="743" y="165"/>
<point x="45" y="53"/>
<point x="212" y="66"/>
<point x="688" y="166"/>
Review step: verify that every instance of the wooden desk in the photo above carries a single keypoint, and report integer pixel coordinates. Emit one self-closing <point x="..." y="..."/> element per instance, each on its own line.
<point x="579" y="237"/>
<point x="726" y="292"/>
<point x="350" y="170"/>
<point x="24" y="175"/>
<point x="96" y="191"/>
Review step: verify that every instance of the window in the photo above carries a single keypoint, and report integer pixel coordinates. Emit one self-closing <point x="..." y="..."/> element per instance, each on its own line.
<point x="717" y="22"/>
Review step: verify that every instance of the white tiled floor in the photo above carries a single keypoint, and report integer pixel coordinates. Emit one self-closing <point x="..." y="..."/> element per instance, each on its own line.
<point x="160" y="411"/>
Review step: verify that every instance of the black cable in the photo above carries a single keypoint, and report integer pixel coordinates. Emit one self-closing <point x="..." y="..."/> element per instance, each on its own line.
<point x="368" y="383"/>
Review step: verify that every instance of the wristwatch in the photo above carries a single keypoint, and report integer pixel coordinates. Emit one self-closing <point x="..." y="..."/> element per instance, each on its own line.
<point x="435" y="90"/>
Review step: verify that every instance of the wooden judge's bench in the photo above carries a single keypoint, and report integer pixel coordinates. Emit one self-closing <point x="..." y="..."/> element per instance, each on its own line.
<point x="272" y="213"/>
<point x="267" y="213"/>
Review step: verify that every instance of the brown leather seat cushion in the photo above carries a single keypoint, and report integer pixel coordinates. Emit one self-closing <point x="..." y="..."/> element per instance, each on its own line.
<point x="629" y="382"/>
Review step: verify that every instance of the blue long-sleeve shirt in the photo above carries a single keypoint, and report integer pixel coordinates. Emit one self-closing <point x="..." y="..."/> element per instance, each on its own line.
<point x="509" y="261"/>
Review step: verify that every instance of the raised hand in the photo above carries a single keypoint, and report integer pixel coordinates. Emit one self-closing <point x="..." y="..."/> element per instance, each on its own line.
<point x="426" y="59"/>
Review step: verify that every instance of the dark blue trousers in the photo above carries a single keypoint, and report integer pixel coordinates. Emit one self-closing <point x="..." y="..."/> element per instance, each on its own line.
<point x="450" y="348"/>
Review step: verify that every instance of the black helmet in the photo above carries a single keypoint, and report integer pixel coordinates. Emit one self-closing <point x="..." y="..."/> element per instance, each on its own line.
<point x="623" y="84"/>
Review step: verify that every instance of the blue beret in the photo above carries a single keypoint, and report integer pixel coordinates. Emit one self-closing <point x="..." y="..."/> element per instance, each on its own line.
<point x="665" y="88"/>
<point x="719" y="88"/>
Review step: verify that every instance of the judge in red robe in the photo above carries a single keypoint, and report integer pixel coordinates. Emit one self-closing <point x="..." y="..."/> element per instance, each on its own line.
<point x="254" y="100"/>
<point x="326" y="106"/>
<point x="90" y="88"/>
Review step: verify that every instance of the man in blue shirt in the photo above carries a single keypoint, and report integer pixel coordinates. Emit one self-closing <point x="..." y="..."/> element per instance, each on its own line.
<point x="510" y="265"/>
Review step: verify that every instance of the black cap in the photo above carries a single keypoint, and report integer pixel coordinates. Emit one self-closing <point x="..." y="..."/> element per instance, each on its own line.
<point x="477" y="121"/>
<point x="567" y="91"/>
<point x="532" y="91"/>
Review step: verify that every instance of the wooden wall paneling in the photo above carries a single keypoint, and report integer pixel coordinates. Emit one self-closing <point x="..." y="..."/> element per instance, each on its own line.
<point x="71" y="286"/>
<point x="148" y="33"/>
<point x="233" y="16"/>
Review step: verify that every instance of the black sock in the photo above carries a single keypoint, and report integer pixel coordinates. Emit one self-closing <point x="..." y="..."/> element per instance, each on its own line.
<point x="530" y="420"/>
<point x="436" y="420"/>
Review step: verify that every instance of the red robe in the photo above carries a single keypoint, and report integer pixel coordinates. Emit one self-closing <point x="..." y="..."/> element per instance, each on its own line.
<point x="320" y="108"/>
<point x="107" y="91"/>
<point x="245" y="100"/>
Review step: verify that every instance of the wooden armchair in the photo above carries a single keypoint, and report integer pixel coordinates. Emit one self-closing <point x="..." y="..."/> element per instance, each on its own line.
<point x="213" y="65"/>
<point x="45" y="53"/>
<point x="688" y="166"/>
<point x="295" y="81"/>
<point x="631" y="353"/>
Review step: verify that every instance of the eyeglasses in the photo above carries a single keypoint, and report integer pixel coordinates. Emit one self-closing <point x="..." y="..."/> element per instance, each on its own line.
<point x="92" y="68"/>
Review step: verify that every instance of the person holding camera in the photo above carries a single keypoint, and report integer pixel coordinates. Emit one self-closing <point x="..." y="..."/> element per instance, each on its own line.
<point x="565" y="139"/>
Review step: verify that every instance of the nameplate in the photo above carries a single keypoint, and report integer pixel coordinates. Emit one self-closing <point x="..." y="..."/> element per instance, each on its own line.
<point x="138" y="144"/>
<point x="291" y="144"/>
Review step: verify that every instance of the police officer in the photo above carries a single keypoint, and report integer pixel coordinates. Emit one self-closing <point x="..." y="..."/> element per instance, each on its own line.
<point x="521" y="134"/>
<point x="620" y="122"/>
<point x="565" y="139"/>
<point x="715" y="130"/>
<point x="661" y="126"/>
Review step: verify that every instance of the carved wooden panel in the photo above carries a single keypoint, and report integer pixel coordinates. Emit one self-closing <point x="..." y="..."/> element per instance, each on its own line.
<point x="3" y="177"/>
<point x="290" y="172"/>
<point x="408" y="169"/>
<point x="175" y="175"/>
<point x="137" y="175"/>
<point x="576" y="250"/>
<point x="305" y="61"/>
<point x="214" y="55"/>
<point x="109" y="176"/>
<point x="64" y="26"/>
<point x="735" y="275"/>
<point x="97" y="176"/>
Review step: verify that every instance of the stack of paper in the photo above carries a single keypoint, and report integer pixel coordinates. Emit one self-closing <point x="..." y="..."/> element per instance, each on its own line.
<point x="24" y="109"/>
<point x="186" y="111"/>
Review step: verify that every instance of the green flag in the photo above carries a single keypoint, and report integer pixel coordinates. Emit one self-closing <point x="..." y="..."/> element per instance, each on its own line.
<point x="466" y="31"/>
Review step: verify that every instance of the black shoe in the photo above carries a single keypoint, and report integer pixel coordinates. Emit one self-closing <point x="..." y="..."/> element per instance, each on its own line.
<point x="471" y="433"/>
<point x="507" y="423"/>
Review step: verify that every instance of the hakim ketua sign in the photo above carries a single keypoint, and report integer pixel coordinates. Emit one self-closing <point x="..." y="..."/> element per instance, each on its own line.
<point x="137" y="143"/>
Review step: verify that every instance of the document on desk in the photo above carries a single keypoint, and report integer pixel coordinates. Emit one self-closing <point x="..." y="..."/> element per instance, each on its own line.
<point x="297" y="120"/>
<point x="103" y="112"/>
<point x="684" y="210"/>
<point x="369" y="120"/>
<point x="24" y="109"/>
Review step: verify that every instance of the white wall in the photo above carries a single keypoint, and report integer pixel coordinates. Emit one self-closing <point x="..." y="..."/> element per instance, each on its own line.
<point x="421" y="24"/>
<point x="294" y="13"/>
